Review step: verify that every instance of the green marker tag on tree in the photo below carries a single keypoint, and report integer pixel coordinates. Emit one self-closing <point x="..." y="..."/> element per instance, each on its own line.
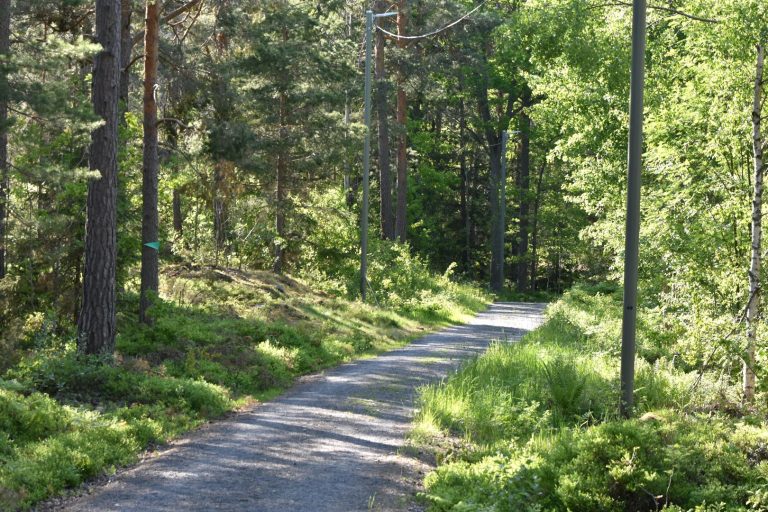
<point x="153" y="245"/>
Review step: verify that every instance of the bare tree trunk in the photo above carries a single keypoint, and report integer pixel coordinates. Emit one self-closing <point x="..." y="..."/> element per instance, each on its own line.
<point x="497" y="225"/>
<point x="523" y="187"/>
<point x="535" y="228"/>
<point x="279" y="262"/>
<point x="178" y="216"/>
<point x="348" y="187"/>
<point x="753" y="309"/>
<point x="464" y="188"/>
<point x="385" y="174"/>
<point x="401" y="216"/>
<point x="474" y="177"/>
<point x="5" y="49"/>
<point x="150" y="220"/>
<point x="498" y="229"/>
<point x="220" y="208"/>
<point x="126" y="49"/>
<point x="96" y="324"/>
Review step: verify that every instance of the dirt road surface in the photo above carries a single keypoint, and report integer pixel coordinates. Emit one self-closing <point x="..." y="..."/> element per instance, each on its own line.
<point x="329" y="444"/>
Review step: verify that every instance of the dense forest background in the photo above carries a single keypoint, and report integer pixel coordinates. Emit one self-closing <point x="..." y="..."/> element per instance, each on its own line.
<point x="259" y="107"/>
<point x="181" y="192"/>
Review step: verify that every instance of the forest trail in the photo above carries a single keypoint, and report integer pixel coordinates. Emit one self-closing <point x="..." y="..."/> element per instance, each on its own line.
<point x="329" y="444"/>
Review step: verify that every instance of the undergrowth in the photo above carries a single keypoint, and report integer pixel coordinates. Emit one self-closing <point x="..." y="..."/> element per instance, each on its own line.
<point x="534" y="425"/>
<point x="220" y="340"/>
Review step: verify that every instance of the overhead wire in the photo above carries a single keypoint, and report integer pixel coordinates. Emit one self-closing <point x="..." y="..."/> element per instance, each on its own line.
<point x="434" y="32"/>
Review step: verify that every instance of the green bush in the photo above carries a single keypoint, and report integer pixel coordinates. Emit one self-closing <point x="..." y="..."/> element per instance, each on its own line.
<point x="539" y="427"/>
<point x="220" y="337"/>
<point x="397" y="277"/>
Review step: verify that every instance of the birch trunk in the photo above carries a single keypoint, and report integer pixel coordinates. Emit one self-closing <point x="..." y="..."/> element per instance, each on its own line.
<point x="753" y="308"/>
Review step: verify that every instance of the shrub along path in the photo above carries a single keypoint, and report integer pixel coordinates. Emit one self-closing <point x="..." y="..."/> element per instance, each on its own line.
<point x="329" y="444"/>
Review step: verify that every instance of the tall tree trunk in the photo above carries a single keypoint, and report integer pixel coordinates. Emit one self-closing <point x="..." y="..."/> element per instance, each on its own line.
<point x="535" y="228"/>
<point x="382" y="110"/>
<point x="497" y="224"/>
<point x="348" y="190"/>
<point x="498" y="228"/>
<point x="280" y="205"/>
<point x="96" y="324"/>
<point x="178" y="215"/>
<point x="126" y="49"/>
<point x="220" y="207"/>
<point x="401" y="216"/>
<point x="753" y="308"/>
<point x="474" y="179"/>
<point x="523" y="188"/>
<point x="465" y="217"/>
<point x="172" y="138"/>
<point x="149" y="226"/>
<point x="5" y="49"/>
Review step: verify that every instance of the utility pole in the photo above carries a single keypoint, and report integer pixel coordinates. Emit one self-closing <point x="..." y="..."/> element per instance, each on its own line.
<point x="631" y="254"/>
<point x="369" y="16"/>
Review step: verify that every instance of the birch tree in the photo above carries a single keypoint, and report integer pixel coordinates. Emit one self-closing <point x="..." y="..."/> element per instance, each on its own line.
<point x="754" y="306"/>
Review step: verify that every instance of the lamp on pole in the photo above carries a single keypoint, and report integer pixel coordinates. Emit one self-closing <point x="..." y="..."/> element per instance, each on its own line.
<point x="369" y="17"/>
<point x="631" y="253"/>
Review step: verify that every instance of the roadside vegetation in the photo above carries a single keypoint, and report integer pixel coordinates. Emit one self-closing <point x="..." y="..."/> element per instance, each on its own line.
<point x="534" y="425"/>
<point x="222" y="339"/>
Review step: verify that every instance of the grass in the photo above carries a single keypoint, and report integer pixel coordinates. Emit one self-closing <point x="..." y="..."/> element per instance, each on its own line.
<point x="222" y="339"/>
<point x="534" y="425"/>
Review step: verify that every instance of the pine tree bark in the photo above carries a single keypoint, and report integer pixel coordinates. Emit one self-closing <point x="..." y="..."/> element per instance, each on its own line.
<point x="523" y="184"/>
<point x="754" y="305"/>
<point x="5" y="50"/>
<point x="385" y="174"/>
<point x="96" y="323"/>
<point x="149" y="228"/>
<point x="401" y="215"/>
<point x="126" y="49"/>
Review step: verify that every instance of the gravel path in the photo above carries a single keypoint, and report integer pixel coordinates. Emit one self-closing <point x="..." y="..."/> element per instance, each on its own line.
<point x="329" y="444"/>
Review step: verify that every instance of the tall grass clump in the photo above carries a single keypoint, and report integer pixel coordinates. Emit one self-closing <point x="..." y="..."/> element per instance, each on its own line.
<point x="533" y="425"/>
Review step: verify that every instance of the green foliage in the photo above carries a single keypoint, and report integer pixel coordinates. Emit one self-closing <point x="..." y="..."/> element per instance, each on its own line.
<point x="221" y="338"/>
<point x="398" y="278"/>
<point x="539" y="430"/>
<point x="67" y="418"/>
<point x="669" y="460"/>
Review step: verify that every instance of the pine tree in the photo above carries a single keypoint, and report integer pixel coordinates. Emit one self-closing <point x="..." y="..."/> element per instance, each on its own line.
<point x="149" y="230"/>
<point x="96" y="324"/>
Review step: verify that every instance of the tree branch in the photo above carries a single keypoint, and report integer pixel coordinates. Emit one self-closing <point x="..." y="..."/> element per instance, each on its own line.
<point x="139" y="36"/>
<point x="616" y="3"/>
<point x="173" y="120"/>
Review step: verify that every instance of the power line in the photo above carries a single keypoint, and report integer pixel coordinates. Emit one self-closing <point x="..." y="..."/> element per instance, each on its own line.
<point x="434" y="32"/>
